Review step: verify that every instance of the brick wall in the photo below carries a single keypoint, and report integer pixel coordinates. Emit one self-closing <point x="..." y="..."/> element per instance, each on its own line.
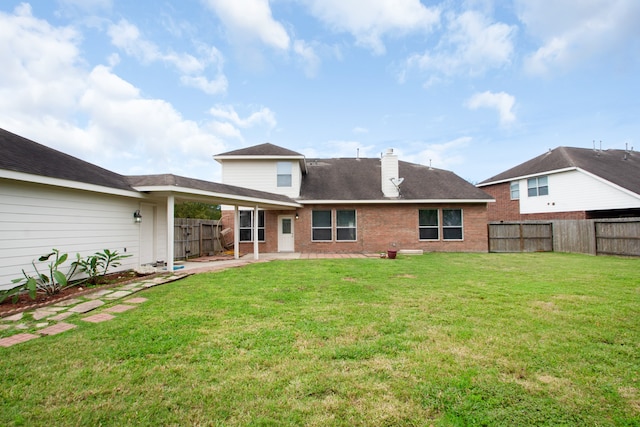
<point x="379" y="228"/>
<point x="505" y="209"/>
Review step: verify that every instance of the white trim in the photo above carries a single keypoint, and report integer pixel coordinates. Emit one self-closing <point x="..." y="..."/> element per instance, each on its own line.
<point x="170" y="232"/>
<point x="394" y="201"/>
<point x="218" y="158"/>
<point x="223" y="198"/>
<point x="517" y="178"/>
<point x="607" y="182"/>
<point x="65" y="183"/>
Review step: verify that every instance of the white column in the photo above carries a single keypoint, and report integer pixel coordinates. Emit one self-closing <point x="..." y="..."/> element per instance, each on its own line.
<point x="255" y="233"/>
<point x="170" y="228"/>
<point x="236" y="232"/>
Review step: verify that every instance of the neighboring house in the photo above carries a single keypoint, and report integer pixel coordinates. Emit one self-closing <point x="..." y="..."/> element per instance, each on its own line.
<point x="353" y="205"/>
<point x="52" y="200"/>
<point x="568" y="183"/>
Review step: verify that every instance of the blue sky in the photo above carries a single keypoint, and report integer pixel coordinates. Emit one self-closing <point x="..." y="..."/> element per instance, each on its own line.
<point x="475" y="86"/>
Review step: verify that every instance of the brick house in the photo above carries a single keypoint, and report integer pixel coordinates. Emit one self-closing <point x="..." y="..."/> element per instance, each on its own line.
<point x="567" y="183"/>
<point x="349" y="205"/>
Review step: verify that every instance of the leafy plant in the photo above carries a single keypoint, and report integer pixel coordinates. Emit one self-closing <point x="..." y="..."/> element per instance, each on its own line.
<point x="96" y="266"/>
<point x="50" y="284"/>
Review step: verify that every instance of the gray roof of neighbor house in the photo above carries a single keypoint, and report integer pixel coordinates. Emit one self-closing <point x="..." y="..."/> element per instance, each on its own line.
<point x="359" y="179"/>
<point x="620" y="167"/>
<point x="20" y="154"/>
<point x="224" y="190"/>
<point x="266" y="150"/>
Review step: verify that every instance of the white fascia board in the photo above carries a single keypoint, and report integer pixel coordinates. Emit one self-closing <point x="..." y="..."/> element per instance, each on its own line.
<point x="394" y="201"/>
<point x="219" y="159"/>
<point x="65" y="183"/>
<point x="609" y="183"/>
<point x="517" y="178"/>
<point x="224" y="198"/>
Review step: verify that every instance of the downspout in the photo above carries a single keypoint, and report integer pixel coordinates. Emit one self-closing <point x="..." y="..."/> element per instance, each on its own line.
<point x="170" y="231"/>
<point x="256" y="256"/>
<point x="236" y="232"/>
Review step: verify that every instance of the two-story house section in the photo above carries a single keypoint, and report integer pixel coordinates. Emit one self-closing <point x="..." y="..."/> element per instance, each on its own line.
<point x="568" y="183"/>
<point x="353" y="205"/>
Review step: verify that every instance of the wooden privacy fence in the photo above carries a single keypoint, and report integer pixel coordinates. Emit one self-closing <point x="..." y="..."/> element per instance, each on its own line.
<point x="520" y="237"/>
<point x="590" y="236"/>
<point x="195" y="237"/>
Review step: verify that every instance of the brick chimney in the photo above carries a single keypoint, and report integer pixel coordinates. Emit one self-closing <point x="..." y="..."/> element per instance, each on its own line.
<point x="389" y="163"/>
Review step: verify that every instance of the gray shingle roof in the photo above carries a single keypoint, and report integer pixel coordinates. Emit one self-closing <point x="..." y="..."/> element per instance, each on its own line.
<point x="198" y="184"/>
<point x="360" y="179"/>
<point x="266" y="149"/>
<point x="619" y="167"/>
<point x="20" y="154"/>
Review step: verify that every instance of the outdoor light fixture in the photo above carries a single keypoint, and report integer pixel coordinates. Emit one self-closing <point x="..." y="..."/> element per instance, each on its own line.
<point x="297" y="216"/>
<point x="137" y="216"/>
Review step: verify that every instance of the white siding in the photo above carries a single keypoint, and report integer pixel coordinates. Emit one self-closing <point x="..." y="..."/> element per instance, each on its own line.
<point x="576" y="191"/>
<point x="260" y="175"/>
<point x="35" y="218"/>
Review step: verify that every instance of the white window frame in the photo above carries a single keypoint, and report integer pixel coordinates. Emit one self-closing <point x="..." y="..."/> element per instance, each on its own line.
<point x="284" y="174"/>
<point x="451" y="227"/>
<point x="261" y="229"/>
<point x="538" y="186"/>
<point x="429" y="227"/>
<point x="324" y="227"/>
<point x="353" y="226"/>
<point x="514" y="190"/>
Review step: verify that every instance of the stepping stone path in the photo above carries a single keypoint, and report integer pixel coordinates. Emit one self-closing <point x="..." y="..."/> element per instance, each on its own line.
<point x="50" y="320"/>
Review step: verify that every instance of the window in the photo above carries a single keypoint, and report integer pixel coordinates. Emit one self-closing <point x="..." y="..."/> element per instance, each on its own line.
<point x="537" y="186"/>
<point x="246" y="226"/>
<point x="284" y="174"/>
<point x="346" y="225"/>
<point x="515" y="190"/>
<point x="428" y="224"/>
<point x="452" y="224"/>
<point x="321" y="226"/>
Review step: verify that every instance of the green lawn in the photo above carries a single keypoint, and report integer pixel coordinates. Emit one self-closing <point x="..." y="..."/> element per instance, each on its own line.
<point x="439" y="339"/>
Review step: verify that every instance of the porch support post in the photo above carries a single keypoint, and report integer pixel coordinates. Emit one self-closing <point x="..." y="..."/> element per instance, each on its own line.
<point x="236" y="232"/>
<point x="255" y="234"/>
<point x="170" y="231"/>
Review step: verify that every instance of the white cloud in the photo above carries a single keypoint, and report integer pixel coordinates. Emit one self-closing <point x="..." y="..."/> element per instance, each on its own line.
<point x="369" y="22"/>
<point x="248" y="20"/>
<point x="127" y="37"/>
<point x="471" y="45"/>
<point x="574" y="31"/>
<point x="359" y="130"/>
<point x="48" y="94"/>
<point x="228" y="113"/>
<point x="308" y="57"/>
<point x="441" y="156"/>
<point x="501" y="101"/>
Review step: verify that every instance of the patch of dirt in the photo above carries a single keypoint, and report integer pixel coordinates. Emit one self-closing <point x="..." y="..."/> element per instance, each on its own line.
<point x="24" y="302"/>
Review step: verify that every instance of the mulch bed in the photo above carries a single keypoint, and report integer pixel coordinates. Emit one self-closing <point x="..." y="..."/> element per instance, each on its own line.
<point x="24" y="302"/>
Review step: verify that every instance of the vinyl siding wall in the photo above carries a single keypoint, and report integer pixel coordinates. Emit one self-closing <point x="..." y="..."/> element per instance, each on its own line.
<point x="260" y="175"/>
<point x="35" y="218"/>
<point x="575" y="191"/>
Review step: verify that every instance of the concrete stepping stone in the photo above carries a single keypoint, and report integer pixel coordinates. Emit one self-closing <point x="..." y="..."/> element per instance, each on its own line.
<point x="68" y="302"/>
<point x="97" y="318"/>
<point x="86" y="306"/>
<point x="137" y="300"/>
<point x="130" y="286"/>
<point x="41" y="314"/>
<point x="57" y="328"/>
<point x="117" y="294"/>
<point x="14" y="318"/>
<point x="98" y="294"/>
<point x="61" y="316"/>
<point x="17" y="339"/>
<point x="120" y="308"/>
<point x="42" y="325"/>
<point x="4" y="327"/>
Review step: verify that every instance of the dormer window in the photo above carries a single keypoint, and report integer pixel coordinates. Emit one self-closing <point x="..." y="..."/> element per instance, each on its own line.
<point x="284" y="174"/>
